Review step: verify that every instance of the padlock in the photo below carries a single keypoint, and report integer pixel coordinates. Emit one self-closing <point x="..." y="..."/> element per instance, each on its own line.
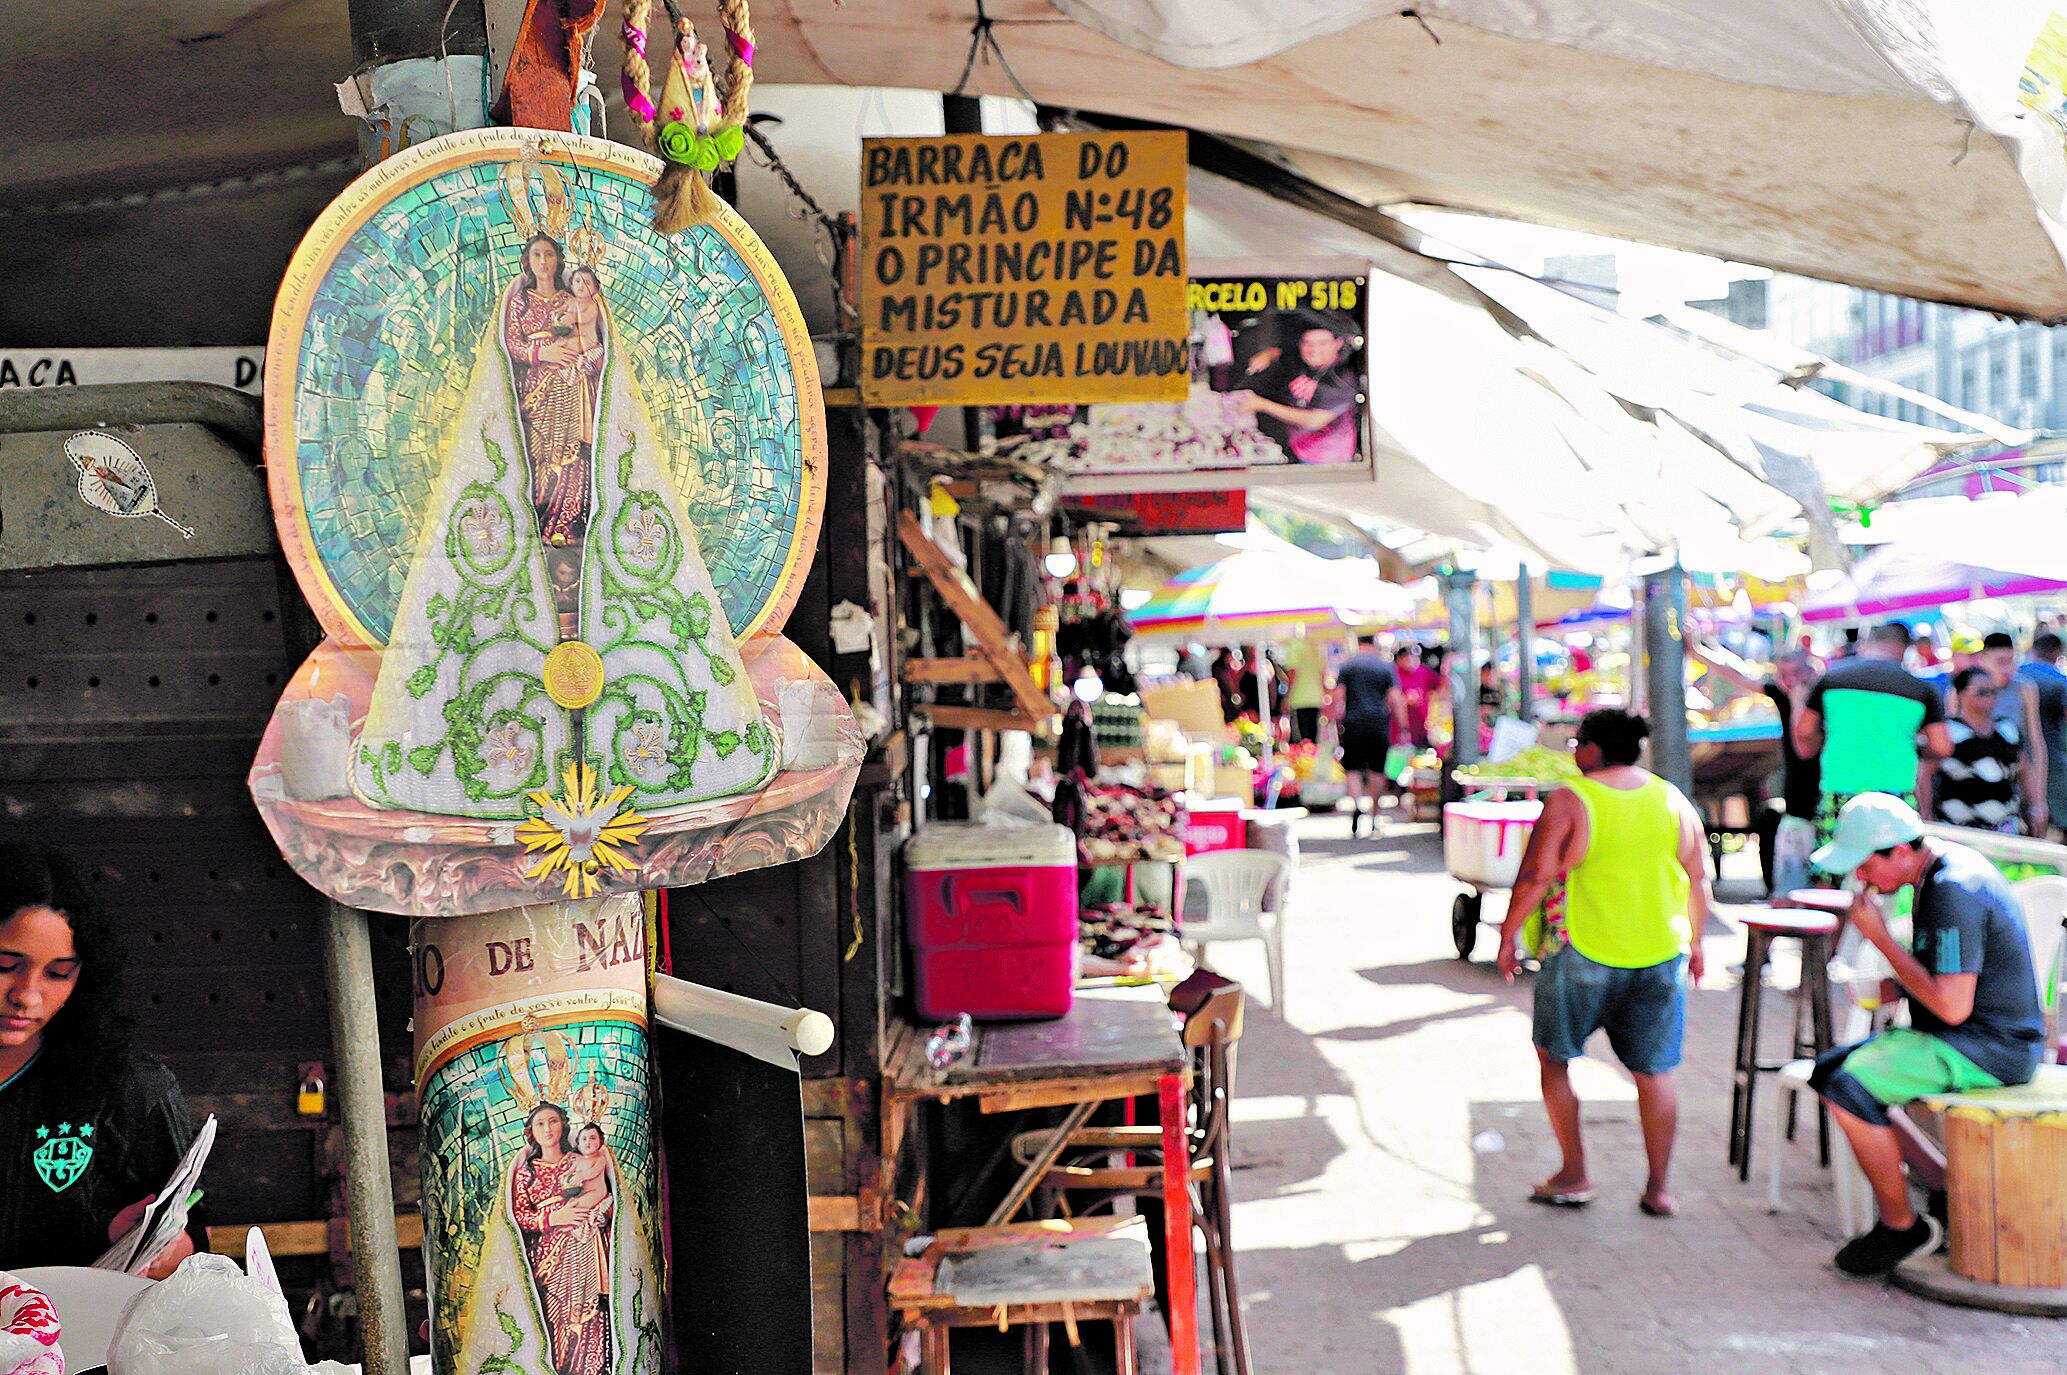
<point x="309" y="1101"/>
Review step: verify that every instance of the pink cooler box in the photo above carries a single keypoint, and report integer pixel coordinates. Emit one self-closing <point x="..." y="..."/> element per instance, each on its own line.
<point x="993" y="920"/>
<point x="1210" y="827"/>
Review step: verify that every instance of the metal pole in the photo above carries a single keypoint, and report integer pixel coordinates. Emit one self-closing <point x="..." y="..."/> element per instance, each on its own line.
<point x="1665" y="659"/>
<point x="1525" y="643"/>
<point x="1263" y="714"/>
<point x="1457" y="593"/>
<point x="362" y="1107"/>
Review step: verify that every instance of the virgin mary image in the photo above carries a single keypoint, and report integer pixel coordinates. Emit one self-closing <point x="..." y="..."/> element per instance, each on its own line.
<point x="557" y="609"/>
<point x="564" y="1282"/>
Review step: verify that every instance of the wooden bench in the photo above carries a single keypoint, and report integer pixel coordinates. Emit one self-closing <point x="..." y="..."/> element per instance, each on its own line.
<point x="1026" y="1274"/>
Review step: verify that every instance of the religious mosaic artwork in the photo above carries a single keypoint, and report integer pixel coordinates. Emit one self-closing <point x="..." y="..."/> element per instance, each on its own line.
<point x="540" y="1183"/>
<point x="551" y="481"/>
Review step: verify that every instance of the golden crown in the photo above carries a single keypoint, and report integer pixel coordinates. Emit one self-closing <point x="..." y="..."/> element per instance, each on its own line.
<point x="536" y="196"/>
<point x="587" y="246"/>
<point x="591" y="1100"/>
<point x="522" y="1074"/>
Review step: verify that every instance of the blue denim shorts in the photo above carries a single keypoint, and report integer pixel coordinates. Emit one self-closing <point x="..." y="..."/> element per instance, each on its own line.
<point x="1644" y="1011"/>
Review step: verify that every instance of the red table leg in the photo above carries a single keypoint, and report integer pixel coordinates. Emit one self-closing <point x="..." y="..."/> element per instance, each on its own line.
<point x="1183" y="1286"/>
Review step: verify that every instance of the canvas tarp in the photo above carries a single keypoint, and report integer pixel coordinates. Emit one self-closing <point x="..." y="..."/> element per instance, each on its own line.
<point x="1876" y="142"/>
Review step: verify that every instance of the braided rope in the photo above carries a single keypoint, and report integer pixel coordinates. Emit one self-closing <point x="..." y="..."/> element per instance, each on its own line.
<point x="714" y="132"/>
<point x="739" y="72"/>
<point x="638" y="76"/>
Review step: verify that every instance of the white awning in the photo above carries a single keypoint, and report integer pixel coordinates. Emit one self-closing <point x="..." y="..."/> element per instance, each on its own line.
<point x="1862" y="141"/>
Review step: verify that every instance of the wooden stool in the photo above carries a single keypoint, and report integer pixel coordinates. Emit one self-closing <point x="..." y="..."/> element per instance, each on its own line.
<point x="2005" y="1158"/>
<point x="1026" y="1274"/>
<point x="1817" y="932"/>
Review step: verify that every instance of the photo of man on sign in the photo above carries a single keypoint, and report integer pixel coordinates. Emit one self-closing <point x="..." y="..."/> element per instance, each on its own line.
<point x="1307" y="397"/>
<point x="1277" y="393"/>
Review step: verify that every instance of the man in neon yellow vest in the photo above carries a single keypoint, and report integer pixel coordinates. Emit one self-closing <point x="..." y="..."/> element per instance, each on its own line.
<point x="1632" y="856"/>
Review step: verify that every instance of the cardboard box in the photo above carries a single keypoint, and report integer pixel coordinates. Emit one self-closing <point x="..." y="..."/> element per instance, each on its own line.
<point x="1232" y="780"/>
<point x="1195" y="707"/>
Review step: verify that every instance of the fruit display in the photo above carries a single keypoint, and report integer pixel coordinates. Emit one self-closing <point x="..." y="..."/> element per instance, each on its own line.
<point x="1537" y="761"/>
<point x="1124" y="823"/>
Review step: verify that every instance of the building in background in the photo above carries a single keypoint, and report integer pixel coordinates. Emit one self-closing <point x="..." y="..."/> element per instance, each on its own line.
<point x="2016" y="373"/>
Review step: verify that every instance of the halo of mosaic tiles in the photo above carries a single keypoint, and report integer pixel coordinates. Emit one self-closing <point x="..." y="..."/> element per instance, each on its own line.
<point x="391" y="341"/>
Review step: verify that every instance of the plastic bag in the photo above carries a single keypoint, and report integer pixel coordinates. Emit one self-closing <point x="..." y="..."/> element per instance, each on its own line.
<point x="208" y="1318"/>
<point x="28" y="1331"/>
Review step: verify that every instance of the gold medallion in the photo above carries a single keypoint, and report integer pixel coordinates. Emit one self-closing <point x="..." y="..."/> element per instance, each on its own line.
<point x="573" y="675"/>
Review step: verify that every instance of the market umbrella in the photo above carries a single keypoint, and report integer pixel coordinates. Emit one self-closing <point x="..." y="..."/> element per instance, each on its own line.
<point x="1905" y="577"/>
<point x="1259" y="594"/>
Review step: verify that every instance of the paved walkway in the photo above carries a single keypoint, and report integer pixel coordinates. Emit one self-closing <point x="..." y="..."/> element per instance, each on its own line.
<point x="1387" y="1136"/>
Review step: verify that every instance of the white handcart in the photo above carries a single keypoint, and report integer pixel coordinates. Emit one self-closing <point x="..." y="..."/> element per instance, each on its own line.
<point x="1483" y="840"/>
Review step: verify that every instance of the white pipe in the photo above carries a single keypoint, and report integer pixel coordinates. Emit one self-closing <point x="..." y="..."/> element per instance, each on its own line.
<point x="766" y="1031"/>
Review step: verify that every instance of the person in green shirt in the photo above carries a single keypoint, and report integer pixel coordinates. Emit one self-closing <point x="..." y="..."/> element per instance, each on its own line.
<point x="1632" y="855"/>
<point x="1862" y="722"/>
<point x="1304" y="661"/>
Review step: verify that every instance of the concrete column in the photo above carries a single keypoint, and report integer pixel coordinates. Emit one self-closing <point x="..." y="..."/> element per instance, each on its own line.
<point x="1665" y="662"/>
<point x="1525" y="644"/>
<point x="1458" y="587"/>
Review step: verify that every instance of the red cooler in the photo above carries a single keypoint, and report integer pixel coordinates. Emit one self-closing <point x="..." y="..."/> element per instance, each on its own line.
<point x="993" y="920"/>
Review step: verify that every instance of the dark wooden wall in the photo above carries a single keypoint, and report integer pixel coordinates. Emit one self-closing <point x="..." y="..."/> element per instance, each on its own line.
<point x="131" y="702"/>
<point x="820" y="933"/>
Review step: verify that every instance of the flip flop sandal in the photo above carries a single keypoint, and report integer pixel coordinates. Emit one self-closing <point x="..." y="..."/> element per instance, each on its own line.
<point x="1550" y="1198"/>
<point x="1650" y="1209"/>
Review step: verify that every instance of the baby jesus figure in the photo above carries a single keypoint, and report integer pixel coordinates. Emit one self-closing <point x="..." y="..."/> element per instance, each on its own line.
<point x="587" y="1183"/>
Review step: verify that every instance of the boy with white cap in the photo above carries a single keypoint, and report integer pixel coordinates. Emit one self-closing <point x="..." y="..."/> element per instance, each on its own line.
<point x="1974" y="1013"/>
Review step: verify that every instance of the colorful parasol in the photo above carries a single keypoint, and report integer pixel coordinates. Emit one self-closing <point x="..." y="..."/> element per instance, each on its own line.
<point x="1261" y="594"/>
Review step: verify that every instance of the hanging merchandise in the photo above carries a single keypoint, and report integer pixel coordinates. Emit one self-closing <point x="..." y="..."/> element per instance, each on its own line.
<point x="692" y="130"/>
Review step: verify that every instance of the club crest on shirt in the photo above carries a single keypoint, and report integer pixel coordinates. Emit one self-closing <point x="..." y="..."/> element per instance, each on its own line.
<point x="63" y="1154"/>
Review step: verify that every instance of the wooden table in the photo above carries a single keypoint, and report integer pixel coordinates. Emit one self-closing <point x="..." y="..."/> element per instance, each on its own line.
<point x="1115" y="1043"/>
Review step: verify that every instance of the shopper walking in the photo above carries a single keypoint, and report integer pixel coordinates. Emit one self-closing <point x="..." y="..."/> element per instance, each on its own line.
<point x="2016" y="702"/>
<point x="1631" y="853"/>
<point x="1371" y="702"/>
<point x="2042" y="671"/>
<point x="1978" y="785"/>
<point x="1862" y="722"/>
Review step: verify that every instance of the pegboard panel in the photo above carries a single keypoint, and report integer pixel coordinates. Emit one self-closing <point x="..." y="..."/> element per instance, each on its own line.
<point x="185" y="646"/>
<point x="131" y="703"/>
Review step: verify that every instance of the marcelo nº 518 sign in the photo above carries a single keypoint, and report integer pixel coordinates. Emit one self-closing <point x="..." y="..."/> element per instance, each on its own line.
<point x="1023" y="269"/>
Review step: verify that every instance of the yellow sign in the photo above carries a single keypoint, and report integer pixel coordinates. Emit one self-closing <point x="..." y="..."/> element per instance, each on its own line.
<point x="1023" y="269"/>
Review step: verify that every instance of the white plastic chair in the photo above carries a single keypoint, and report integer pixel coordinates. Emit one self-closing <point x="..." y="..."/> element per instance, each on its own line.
<point x="1860" y="964"/>
<point x="2043" y="901"/>
<point x="1242" y="904"/>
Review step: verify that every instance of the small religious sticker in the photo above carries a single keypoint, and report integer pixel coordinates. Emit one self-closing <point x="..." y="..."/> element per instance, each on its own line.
<point x="114" y="479"/>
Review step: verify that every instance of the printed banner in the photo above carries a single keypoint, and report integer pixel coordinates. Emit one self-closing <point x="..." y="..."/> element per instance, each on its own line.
<point x="551" y="481"/>
<point x="1166" y="513"/>
<point x="1278" y="393"/>
<point x="541" y="1182"/>
<point x="225" y="367"/>
<point x="1030" y="268"/>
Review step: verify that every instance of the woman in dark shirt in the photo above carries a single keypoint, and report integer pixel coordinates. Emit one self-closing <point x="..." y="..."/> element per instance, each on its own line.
<point x="88" y="1125"/>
